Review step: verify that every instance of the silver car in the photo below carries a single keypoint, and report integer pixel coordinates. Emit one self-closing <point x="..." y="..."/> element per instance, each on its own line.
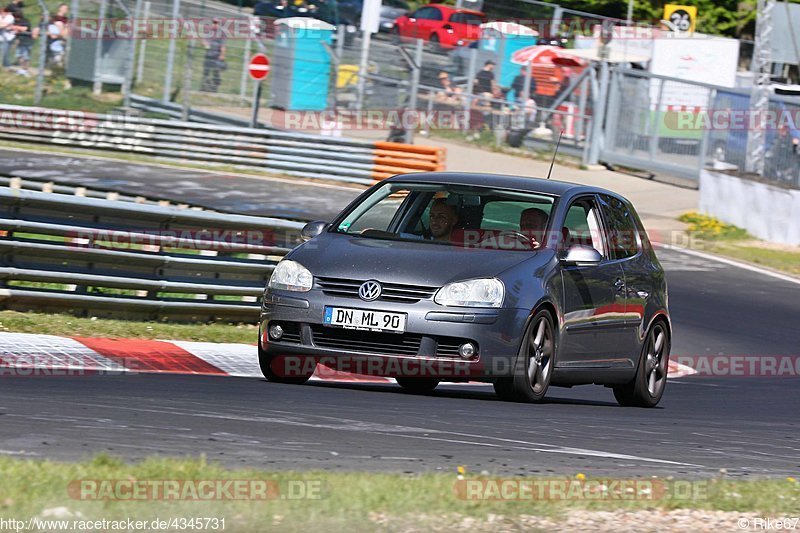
<point x="524" y="283"/>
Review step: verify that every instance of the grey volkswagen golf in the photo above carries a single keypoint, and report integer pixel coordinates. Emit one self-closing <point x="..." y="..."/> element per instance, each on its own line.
<point x="524" y="283"/>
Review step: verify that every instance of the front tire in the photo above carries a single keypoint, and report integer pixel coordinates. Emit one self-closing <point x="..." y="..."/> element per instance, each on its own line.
<point x="436" y="45"/>
<point x="269" y="363"/>
<point x="418" y="385"/>
<point x="534" y="365"/>
<point x="648" y="386"/>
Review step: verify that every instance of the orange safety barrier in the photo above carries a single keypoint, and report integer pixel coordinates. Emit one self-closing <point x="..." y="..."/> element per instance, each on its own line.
<point x="399" y="158"/>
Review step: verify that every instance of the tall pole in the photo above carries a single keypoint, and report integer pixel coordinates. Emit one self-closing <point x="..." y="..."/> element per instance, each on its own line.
<point x="176" y="13"/>
<point x="98" y="51"/>
<point x="142" y="47"/>
<point x="412" y="97"/>
<point x="37" y="99"/>
<point x="362" y="71"/>
<point x="759" y="97"/>
<point x="629" y="19"/>
<point x="131" y="59"/>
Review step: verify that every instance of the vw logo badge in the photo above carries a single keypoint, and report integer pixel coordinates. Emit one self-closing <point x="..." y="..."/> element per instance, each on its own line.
<point x="369" y="290"/>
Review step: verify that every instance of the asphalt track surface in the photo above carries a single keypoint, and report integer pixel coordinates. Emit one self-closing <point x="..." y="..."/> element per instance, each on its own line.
<point x="748" y="426"/>
<point x="285" y="198"/>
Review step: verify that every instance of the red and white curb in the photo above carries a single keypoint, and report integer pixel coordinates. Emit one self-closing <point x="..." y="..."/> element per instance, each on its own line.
<point x="23" y="353"/>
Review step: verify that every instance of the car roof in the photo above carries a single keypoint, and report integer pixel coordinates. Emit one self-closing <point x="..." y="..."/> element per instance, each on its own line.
<point x="451" y="9"/>
<point x="503" y="181"/>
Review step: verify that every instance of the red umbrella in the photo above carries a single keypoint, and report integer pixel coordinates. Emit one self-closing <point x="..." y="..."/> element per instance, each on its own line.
<point x="545" y="54"/>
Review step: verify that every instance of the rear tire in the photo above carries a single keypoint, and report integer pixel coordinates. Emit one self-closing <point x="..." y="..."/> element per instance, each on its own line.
<point x="534" y="365"/>
<point x="418" y="385"/>
<point x="268" y="363"/>
<point x="647" y="388"/>
<point x="395" y="36"/>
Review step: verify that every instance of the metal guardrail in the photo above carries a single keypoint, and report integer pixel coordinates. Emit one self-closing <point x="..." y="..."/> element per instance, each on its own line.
<point x="295" y="154"/>
<point x="123" y="259"/>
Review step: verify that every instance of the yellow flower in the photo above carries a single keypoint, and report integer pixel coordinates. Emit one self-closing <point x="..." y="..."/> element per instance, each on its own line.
<point x="580" y="476"/>
<point x="461" y="470"/>
<point x="791" y="479"/>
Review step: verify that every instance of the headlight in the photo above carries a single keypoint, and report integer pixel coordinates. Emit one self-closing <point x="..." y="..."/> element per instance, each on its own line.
<point x="486" y="292"/>
<point x="291" y="276"/>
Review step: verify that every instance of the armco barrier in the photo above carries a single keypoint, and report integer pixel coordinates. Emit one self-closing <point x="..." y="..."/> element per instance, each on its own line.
<point x="123" y="259"/>
<point x="295" y="154"/>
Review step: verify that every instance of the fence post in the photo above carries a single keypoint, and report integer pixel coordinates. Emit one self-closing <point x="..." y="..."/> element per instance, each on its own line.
<point x="580" y="123"/>
<point x="187" y="82"/>
<point x="142" y="46"/>
<point x="654" y="125"/>
<point x="245" y="63"/>
<point x="598" y="115"/>
<point x="37" y="99"/>
<point x="131" y="59"/>
<point x="97" y="85"/>
<point x="176" y="13"/>
<point x="701" y="156"/>
<point x="362" y="71"/>
<point x="471" y="72"/>
<point x="412" y="97"/>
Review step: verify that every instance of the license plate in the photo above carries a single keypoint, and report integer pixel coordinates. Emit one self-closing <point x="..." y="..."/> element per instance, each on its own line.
<point x="365" y="319"/>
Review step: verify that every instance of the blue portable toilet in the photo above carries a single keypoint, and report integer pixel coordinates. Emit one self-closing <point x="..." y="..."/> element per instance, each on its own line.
<point x="300" y="65"/>
<point x="499" y="40"/>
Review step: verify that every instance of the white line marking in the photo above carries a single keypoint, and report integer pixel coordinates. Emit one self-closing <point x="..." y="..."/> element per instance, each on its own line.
<point x="732" y="262"/>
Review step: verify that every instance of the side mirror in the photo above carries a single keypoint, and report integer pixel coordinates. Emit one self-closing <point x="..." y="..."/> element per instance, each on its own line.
<point x="579" y="254"/>
<point x="312" y="229"/>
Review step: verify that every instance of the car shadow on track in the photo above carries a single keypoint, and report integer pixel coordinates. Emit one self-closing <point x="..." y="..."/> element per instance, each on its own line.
<point x="463" y="392"/>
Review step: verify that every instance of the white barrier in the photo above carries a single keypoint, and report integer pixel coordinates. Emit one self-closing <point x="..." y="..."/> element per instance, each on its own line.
<point x="766" y="211"/>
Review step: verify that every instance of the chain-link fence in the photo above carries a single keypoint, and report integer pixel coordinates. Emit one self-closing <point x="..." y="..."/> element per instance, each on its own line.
<point x="650" y="122"/>
<point x="679" y="127"/>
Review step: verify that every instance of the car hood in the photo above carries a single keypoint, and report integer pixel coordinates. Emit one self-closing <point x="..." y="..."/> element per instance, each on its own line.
<point x="417" y="263"/>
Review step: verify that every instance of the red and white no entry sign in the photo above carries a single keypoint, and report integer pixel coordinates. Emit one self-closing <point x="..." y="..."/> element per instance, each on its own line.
<point x="258" y="67"/>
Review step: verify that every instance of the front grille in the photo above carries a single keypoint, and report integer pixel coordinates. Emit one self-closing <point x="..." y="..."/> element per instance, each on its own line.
<point x="392" y="292"/>
<point x="366" y="341"/>
<point x="291" y="332"/>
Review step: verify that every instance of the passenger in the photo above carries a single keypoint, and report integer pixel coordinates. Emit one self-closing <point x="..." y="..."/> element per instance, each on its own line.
<point x="532" y="223"/>
<point x="443" y="218"/>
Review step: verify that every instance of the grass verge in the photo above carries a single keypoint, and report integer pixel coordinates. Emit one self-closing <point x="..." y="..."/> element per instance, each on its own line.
<point x="715" y="236"/>
<point x="68" y="325"/>
<point x="297" y="500"/>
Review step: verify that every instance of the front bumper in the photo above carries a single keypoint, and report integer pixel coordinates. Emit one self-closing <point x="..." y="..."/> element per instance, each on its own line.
<point x="429" y="346"/>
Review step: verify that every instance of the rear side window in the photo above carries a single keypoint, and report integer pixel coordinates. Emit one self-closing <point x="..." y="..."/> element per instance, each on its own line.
<point x="429" y="13"/>
<point x="623" y="234"/>
<point x="582" y="226"/>
<point x="466" y="18"/>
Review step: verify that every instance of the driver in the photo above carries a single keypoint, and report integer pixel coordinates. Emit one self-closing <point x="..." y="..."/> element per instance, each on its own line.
<point x="443" y="218"/>
<point x="532" y="223"/>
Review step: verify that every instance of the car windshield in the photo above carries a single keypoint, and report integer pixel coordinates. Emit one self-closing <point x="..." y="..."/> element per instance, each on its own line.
<point x="451" y="215"/>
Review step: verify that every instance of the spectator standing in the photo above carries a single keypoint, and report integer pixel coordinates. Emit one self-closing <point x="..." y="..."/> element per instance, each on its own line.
<point x="518" y="86"/>
<point x="25" y="38"/>
<point x="7" y="35"/>
<point x="57" y="29"/>
<point x="214" y="61"/>
<point x="484" y="81"/>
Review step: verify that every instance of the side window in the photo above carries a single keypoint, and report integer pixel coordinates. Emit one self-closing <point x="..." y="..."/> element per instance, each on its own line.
<point x="623" y="235"/>
<point x="582" y="226"/>
<point x="428" y="13"/>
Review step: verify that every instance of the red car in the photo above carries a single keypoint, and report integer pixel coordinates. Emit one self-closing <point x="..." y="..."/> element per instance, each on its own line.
<point x="444" y="26"/>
